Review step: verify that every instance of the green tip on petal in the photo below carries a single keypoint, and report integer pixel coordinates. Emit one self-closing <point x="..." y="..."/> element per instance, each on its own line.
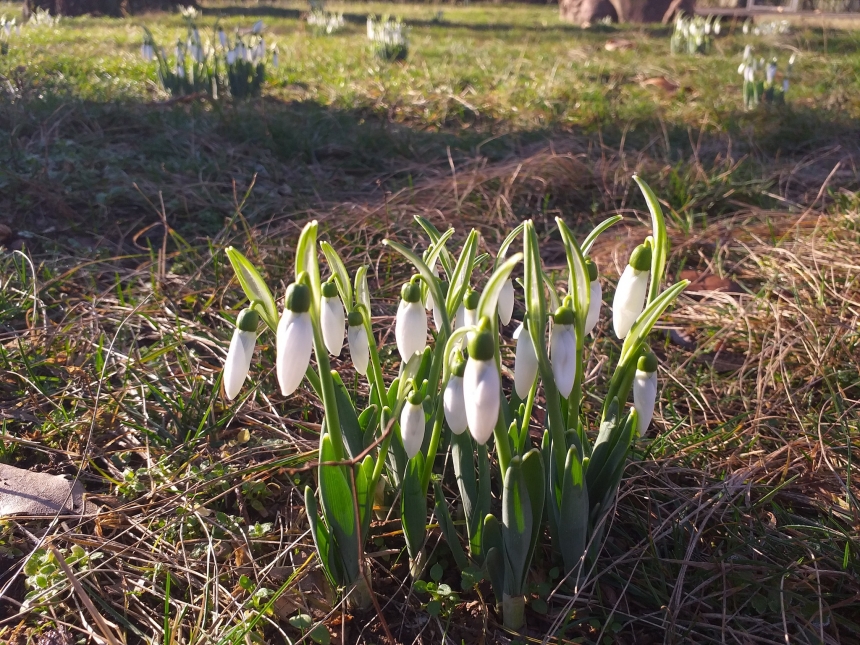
<point x="416" y="398"/>
<point x="355" y="318"/>
<point x="329" y="289"/>
<point x="470" y="300"/>
<point x="647" y="363"/>
<point x="640" y="259"/>
<point x="248" y="320"/>
<point x="563" y="316"/>
<point x="410" y="292"/>
<point x="592" y="270"/>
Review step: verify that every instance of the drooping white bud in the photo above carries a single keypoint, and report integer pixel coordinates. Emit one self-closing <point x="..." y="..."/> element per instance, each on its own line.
<point x="629" y="300"/>
<point x="562" y="350"/>
<point x="412" y="427"/>
<point x="238" y="360"/>
<point x="645" y="391"/>
<point x="410" y="325"/>
<point x="506" y="302"/>
<point x="482" y="386"/>
<point x="454" y="401"/>
<point x="595" y="298"/>
<point x="525" y="362"/>
<point x="295" y="338"/>
<point x="332" y="319"/>
<point x="359" y="347"/>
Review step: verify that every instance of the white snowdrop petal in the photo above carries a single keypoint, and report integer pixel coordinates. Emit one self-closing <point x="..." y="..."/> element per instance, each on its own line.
<point x="506" y="302"/>
<point x="481" y="391"/>
<point x="410" y="329"/>
<point x="412" y="428"/>
<point x="295" y="340"/>
<point x="238" y="361"/>
<point x="594" y="304"/>
<point x="470" y="317"/>
<point x="525" y="363"/>
<point x="429" y="303"/>
<point x="332" y="320"/>
<point x="437" y="318"/>
<point x="563" y="358"/>
<point x="359" y="348"/>
<point x="629" y="300"/>
<point x="454" y="404"/>
<point x="644" y="398"/>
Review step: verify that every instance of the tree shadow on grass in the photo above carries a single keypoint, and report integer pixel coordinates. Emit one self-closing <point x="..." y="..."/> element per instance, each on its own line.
<point x="105" y="177"/>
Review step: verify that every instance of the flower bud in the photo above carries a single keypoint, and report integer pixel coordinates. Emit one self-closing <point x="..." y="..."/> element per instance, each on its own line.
<point x="482" y="385"/>
<point x="525" y="361"/>
<point x="645" y="391"/>
<point x="332" y="318"/>
<point x="412" y="425"/>
<point x="632" y="289"/>
<point x="595" y="299"/>
<point x="295" y="338"/>
<point x="453" y="400"/>
<point x="562" y="350"/>
<point x="410" y="325"/>
<point x="238" y="360"/>
<point x="506" y="302"/>
<point x="359" y="347"/>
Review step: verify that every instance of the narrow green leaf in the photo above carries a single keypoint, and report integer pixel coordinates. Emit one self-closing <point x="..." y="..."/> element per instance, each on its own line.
<point x="255" y="288"/>
<point x="306" y="259"/>
<point x="578" y="282"/>
<point x="447" y="527"/>
<point x="592" y="237"/>
<point x="349" y="424"/>
<point x="489" y="300"/>
<point x="461" y="276"/>
<point x="573" y="518"/>
<point x="362" y="294"/>
<point x="363" y="492"/>
<point x="510" y="239"/>
<point x="516" y="526"/>
<point x="338" y="270"/>
<point x="321" y="537"/>
<point x="426" y="274"/>
<point x="660" y="251"/>
<point x="535" y="479"/>
<point x="413" y="506"/>
<point x="338" y="508"/>
<point x="494" y="548"/>
<point x="648" y="318"/>
<point x="434" y="235"/>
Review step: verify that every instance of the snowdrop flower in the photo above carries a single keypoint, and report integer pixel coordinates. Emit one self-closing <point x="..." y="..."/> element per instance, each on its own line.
<point x="792" y="59"/>
<point x="453" y="400"/>
<point x="717" y="28"/>
<point x="275" y="59"/>
<point x="222" y="37"/>
<point x="359" y="348"/>
<point x="410" y="325"/>
<point x="632" y="288"/>
<point x="525" y="361"/>
<point x="295" y="338"/>
<point x="241" y="350"/>
<point x="596" y="298"/>
<point x="562" y="349"/>
<point x="770" y="72"/>
<point x="258" y="27"/>
<point x="332" y="318"/>
<point x="231" y="56"/>
<point x="645" y="391"/>
<point x="506" y="302"/>
<point x="412" y="424"/>
<point x="784" y="85"/>
<point x="482" y="385"/>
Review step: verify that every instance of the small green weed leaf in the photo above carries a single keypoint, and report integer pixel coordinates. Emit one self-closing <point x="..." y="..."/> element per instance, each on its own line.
<point x="436" y="572"/>
<point x="301" y="621"/>
<point x="320" y="634"/>
<point x="434" y="607"/>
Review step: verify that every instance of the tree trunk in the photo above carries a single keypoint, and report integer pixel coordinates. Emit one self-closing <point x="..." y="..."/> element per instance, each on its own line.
<point x="101" y="7"/>
<point x="588" y="11"/>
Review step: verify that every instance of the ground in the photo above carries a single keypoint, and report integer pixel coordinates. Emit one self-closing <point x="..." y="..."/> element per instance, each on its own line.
<point x="738" y="517"/>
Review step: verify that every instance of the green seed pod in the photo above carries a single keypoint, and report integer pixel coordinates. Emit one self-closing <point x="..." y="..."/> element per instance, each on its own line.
<point x="592" y="270"/>
<point x="563" y="316"/>
<point x="459" y="367"/>
<point x="482" y="347"/>
<point x="647" y="363"/>
<point x="470" y="300"/>
<point x="355" y="318"/>
<point x="329" y="289"/>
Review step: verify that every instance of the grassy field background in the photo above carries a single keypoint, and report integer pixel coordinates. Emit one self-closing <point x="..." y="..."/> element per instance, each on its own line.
<point x="738" y="520"/>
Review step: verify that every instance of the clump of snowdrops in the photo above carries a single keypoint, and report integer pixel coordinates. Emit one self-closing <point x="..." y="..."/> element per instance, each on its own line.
<point x="234" y="63"/>
<point x="760" y="84"/>
<point x="322" y="22"/>
<point x="693" y="34"/>
<point x="562" y="486"/>
<point x="7" y="28"/>
<point x="389" y="38"/>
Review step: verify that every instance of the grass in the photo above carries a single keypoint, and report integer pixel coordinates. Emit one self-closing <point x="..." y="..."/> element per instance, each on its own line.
<point x="738" y="519"/>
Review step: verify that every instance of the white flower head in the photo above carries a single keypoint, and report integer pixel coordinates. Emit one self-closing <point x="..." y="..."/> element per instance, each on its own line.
<point x="412" y="425"/>
<point x="410" y="325"/>
<point x="595" y="298"/>
<point x="238" y="360"/>
<point x="629" y="300"/>
<point x="359" y="346"/>
<point x="645" y="391"/>
<point x="295" y="338"/>
<point x="525" y="361"/>
<point x="454" y="401"/>
<point x="506" y="302"/>
<point x="562" y="349"/>
<point x="332" y="318"/>
<point x="482" y="385"/>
